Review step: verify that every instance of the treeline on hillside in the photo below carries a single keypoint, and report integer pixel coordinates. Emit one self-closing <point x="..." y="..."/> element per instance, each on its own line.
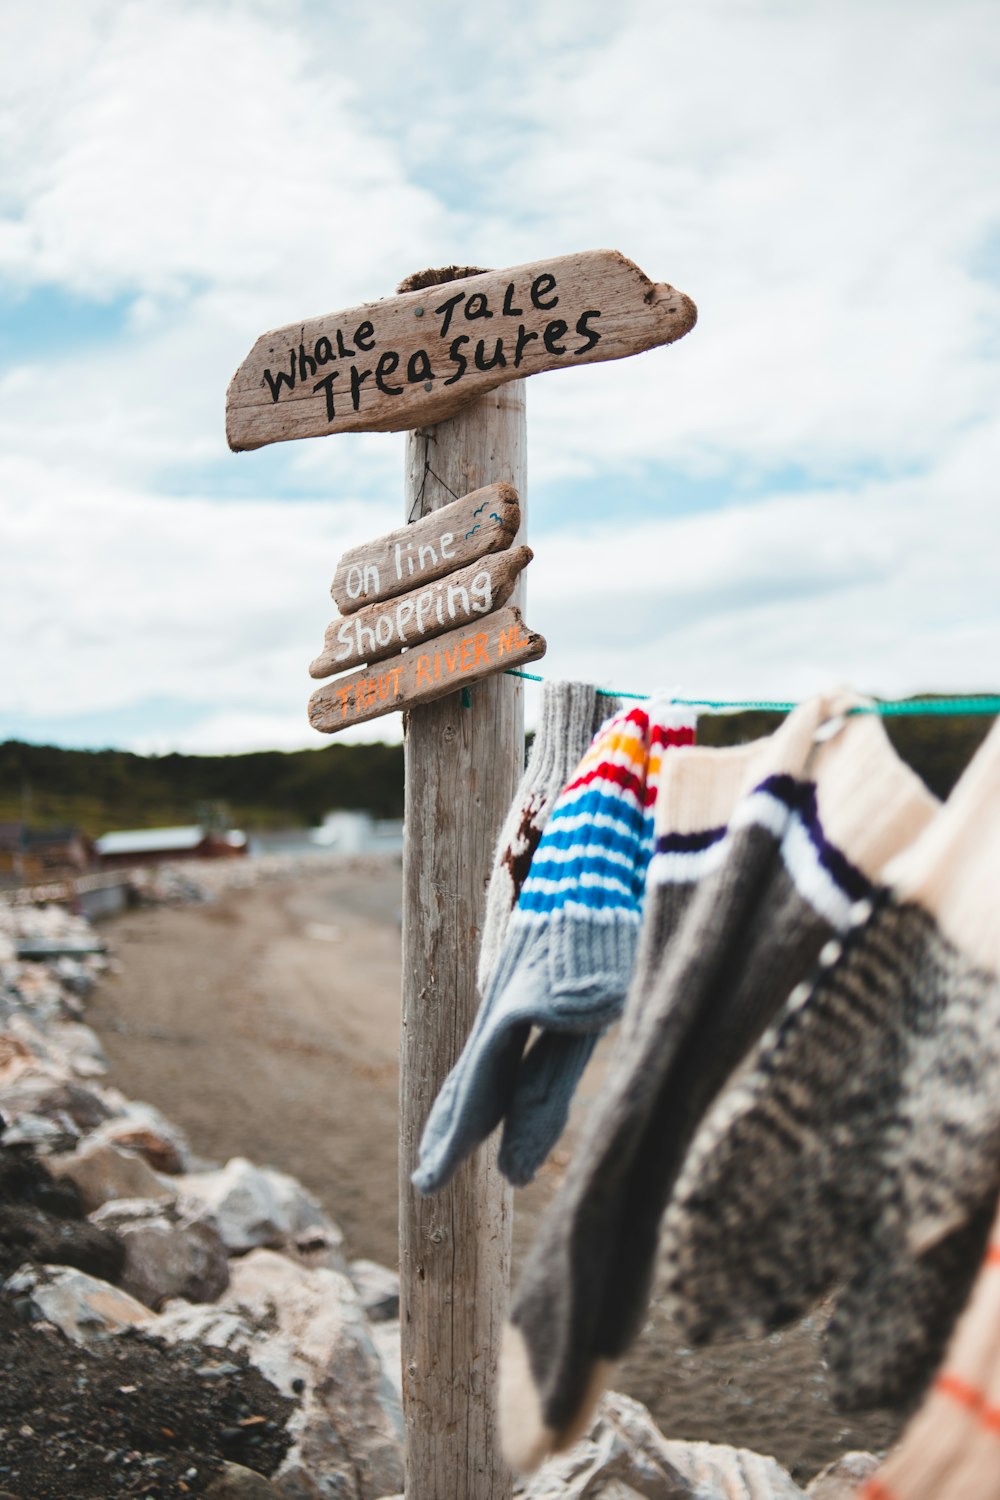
<point x="98" y="790"/>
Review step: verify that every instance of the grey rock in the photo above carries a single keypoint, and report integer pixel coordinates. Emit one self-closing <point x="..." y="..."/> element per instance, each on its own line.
<point x="254" y="1206"/>
<point x="624" y="1456"/>
<point x="83" y="1307"/>
<point x="306" y="1332"/>
<point x="238" y="1483"/>
<point x="839" y="1480"/>
<point x="105" y="1172"/>
<point x="172" y="1249"/>
<point x="45" y="1135"/>
<point x="74" y="1106"/>
<point x="378" y="1289"/>
<point x="320" y="1248"/>
<point x="142" y="1129"/>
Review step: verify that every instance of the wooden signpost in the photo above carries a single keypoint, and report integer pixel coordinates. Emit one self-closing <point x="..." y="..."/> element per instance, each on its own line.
<point x="430" y="609"/>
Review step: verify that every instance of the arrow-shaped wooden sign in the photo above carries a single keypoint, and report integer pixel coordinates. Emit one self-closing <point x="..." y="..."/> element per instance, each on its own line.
<point x="424" y="673"/>
<point x="412" y="360"/>
<point x="484" y="521"/>
<point x="382" y="630"/>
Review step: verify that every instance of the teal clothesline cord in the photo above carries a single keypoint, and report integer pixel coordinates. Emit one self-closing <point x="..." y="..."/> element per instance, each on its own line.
<point x="944" y="706"/>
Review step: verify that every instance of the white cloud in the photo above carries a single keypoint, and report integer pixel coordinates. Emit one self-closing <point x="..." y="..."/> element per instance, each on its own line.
<point x="820" y="180"/>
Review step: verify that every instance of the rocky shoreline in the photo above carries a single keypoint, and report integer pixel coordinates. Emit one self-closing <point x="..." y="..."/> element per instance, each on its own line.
<point x="221" y="1295"/>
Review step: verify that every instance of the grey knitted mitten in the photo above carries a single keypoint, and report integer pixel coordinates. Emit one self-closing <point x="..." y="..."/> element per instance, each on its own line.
<point x="566" y="960"/>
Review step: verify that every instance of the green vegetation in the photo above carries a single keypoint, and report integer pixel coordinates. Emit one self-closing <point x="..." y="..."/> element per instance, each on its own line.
<point x="98" y="790"/>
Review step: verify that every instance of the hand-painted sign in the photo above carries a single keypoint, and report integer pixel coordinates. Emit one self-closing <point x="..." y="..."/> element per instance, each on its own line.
<point x="452" y="661"/>
<point x="412" y="360"/>
<point x="484" y="521"/>
<point x="382" y="630"/>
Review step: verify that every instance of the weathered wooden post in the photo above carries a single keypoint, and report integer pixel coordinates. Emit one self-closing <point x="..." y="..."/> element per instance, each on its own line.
<point x="463" y="762"/>
<point x="451" y="350"/>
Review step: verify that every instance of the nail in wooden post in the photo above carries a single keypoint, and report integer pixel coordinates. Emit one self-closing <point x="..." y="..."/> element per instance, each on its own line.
<point x="462" y="769"/>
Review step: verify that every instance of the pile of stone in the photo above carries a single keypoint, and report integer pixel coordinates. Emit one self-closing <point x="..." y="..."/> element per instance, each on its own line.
<point x="204" y="880"/>
<point x="241" y="1260"/>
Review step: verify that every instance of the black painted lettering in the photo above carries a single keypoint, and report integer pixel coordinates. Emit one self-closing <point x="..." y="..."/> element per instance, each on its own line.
<point x="418" y="366"/>
<point x="508" y="310"/>
<point x="358" y="378"/>
<point x="540" y="288"/>
<point x="283" y="377"/>
<point x="387" y="364"/>
<point x="326" y="384"/>
<point x="457" y="358"/>
<point x="323" y="351"/>
<point x="554" y="330"/>
<point x="524" y="337"/>
<point x="477" y="307"/>
<point x="498" y="359"/>
<point x="582" y="326"/>
<point x="307" y="365"/>
<point x="448" y="308"/>
<point x="364" y="336"/>
<point x="342" y="348"/>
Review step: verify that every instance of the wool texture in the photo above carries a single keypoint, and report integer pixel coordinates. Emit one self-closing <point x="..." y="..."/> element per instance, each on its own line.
<point x="951" y="1448"/>
<point x="555" y="1062"/>
<point x="569" y="950"/>
<point x="739" y="908"/>
<point x="862" y="1146"/>
<point x="572" y="713"/>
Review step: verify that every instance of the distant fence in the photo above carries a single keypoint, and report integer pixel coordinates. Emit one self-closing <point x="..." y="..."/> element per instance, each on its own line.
<point x="93" y="896"/>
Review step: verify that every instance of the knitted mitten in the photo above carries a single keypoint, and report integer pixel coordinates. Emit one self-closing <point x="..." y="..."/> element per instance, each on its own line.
<point x="763" y="896"/>
<point x="865" y="1140"/>
<point x="554" y="1064"/>
<point x="569" y="711"/>
<point x="570" y="945"/>
<point x="951" y="1449"/>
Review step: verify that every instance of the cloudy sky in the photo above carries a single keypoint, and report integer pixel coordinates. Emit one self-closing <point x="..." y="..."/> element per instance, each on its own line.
<point x="803" y="491"/>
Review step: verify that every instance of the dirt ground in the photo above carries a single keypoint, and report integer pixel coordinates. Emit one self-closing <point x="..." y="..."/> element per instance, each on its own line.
<point x="266" y="1024"/>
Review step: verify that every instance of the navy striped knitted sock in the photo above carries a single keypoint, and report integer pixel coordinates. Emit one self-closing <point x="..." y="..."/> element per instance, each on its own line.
<point x="864" y="1142"/>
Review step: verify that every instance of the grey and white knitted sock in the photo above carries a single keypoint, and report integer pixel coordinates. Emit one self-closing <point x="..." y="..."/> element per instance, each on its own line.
<point x="572" y="712"/>
<point x="570" y="946"/>
<point x="864" y="1141"/>
<point x="770" y="889"/>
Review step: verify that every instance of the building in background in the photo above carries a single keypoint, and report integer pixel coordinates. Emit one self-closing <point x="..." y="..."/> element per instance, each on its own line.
<point x="151" y="846"/>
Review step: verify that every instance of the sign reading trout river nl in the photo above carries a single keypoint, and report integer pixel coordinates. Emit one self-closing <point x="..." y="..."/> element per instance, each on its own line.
<point x="414" y="359"/>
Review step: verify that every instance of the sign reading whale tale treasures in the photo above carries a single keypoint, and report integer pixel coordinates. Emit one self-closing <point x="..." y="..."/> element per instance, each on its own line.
<point x="414" y="359"/>
<point x="381" y="630"/>
<point x="484" y="521"/>
<point x="426" y="672"/>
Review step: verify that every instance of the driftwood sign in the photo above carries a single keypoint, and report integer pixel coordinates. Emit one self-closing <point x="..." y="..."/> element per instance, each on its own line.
<point x="484" y="521"/>
<point x="412" y="360"/>
<point x="452" y="661"/>
<point x="382" y="630"/>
